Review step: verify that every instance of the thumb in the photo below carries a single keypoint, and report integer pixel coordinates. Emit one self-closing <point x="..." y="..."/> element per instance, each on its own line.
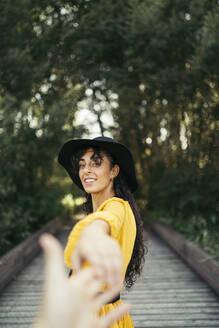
<point x="53" y="253"/>
<point x="77" y="261"/>
<point x="107" y="320"/>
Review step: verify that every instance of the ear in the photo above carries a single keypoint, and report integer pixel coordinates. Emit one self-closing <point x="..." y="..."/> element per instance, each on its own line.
<point x="115" y="171"/>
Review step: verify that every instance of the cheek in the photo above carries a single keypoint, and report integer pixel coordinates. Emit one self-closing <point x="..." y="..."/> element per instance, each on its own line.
<point x="106" y="175"/>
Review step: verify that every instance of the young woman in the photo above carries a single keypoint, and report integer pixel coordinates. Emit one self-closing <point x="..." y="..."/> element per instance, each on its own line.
<point x="110" y="237"/>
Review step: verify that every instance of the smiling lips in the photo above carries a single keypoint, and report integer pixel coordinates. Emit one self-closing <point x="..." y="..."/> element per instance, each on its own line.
<point x="89" y="180"/>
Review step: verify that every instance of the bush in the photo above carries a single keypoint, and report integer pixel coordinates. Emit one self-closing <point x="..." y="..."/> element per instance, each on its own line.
<point x="23" y="214"/>
<point x="186" y="198"/>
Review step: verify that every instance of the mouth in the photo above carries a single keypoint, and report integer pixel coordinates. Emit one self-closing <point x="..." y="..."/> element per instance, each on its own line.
<point x="89" y="180"/>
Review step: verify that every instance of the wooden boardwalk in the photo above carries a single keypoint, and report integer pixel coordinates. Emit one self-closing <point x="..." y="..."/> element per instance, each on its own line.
<point x="168" y="294"/>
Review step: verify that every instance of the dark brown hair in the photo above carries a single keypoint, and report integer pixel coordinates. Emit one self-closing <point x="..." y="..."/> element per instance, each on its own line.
<point x="122" y="191"/>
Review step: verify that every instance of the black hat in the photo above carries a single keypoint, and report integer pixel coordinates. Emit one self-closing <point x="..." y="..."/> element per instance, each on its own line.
<point x="120" y="152"/>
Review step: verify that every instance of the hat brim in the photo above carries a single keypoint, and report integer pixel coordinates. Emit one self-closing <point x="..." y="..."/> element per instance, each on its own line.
<point x="120" y="152"/>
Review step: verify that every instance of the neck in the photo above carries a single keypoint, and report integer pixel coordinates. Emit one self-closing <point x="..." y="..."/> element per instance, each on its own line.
<point x="99" y="198"/>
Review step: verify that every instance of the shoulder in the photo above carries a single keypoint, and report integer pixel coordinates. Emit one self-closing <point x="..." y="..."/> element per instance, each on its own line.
<point x="113" y="202"/>
<point x="116" y="205"/>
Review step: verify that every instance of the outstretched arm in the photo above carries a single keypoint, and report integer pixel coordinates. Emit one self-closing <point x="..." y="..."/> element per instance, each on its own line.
<point x="103" y="252"/>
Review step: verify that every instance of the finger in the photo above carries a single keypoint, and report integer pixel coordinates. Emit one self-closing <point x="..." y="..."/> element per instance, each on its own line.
<point x="100" y="272"/>
<point x="96" y="261"/>
<point x="114" y="270"/>
<point x="108" y="295"/>
<point x="108" y="271"/>
<point x="111" y="269"/>
<point x="86" y="285"/>
<point x="114" y="315"/>
<point x="107" y="266"/>
<point x="94" y="288"/>
<point x="53" y="256"/>
<point x="76" y="261"/>
<point x="84" y="277"/>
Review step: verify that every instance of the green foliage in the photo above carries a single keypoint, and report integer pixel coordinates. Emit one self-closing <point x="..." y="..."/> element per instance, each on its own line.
<point x="187" y="198"/>
<point x="159" y="57"/>
<point x="30" y="140"/>
<point x="183" y="190"/>
<point x="26" y="213"/>
<point x="200" y="230"/>
<point x="37" y="112"/>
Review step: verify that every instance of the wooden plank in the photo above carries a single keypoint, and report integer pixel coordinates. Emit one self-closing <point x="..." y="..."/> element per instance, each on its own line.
<point x="168" y="297"/>
<point x="199" y="260"/>
<point x="15" y="260"/>
<point x="168" y="294"/>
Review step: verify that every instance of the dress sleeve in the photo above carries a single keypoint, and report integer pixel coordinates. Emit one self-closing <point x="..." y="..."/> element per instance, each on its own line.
<point x="113" y="213"/>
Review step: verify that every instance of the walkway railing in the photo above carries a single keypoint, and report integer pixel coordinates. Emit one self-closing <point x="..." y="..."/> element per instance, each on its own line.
<point x="168" y="294"/>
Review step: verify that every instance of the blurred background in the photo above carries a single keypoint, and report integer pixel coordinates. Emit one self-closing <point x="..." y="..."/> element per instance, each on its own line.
<point x="142" y="71"/>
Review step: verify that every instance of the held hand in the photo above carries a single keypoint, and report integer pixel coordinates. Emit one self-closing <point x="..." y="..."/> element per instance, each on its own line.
<point x="73" y="302"/>
<point x="101" y="251"/>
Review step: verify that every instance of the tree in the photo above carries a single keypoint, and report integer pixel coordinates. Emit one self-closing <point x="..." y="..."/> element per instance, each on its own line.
<point x="159" y="59"/>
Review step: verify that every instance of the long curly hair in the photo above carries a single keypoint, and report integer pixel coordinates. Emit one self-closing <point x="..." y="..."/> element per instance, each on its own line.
<point x="123" y="191"/>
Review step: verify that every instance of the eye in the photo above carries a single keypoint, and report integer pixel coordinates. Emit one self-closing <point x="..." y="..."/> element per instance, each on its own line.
<point x="96" y="162"/>
<point x="81" y="165"/>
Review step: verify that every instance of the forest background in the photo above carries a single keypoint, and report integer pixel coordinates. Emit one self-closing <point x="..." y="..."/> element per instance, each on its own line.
<point x="153" y="65"/>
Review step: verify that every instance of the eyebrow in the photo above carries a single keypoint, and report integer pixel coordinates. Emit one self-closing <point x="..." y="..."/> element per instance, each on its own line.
<point x="92" y="157"/>
<point x="83" y="160"/>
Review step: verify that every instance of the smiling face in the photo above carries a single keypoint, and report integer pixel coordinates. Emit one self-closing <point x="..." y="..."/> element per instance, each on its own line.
<point x="96" y="173"/>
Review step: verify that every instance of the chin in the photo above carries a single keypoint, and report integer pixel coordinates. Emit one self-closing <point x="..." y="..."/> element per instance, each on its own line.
<point x="93" y="191"/>
<point x="90" y="190"/>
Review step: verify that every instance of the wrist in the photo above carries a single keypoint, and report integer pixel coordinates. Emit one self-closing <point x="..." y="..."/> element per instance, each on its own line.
<point x="98" y="227"/>
<point x="92" y="233"/>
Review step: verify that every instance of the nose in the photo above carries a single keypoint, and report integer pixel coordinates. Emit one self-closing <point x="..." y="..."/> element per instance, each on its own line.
<point x="87" y="168"/>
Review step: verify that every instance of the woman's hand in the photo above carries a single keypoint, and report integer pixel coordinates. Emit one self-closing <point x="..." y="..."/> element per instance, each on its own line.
<point x="101" y="251"/>
<point x="73" y="302"/>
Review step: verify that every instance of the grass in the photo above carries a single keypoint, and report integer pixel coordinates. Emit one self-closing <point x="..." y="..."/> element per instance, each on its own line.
<point x="202" y="231"/>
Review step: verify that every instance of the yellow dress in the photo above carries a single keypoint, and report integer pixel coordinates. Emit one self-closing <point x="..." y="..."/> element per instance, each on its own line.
<point x="118" y="214"/>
